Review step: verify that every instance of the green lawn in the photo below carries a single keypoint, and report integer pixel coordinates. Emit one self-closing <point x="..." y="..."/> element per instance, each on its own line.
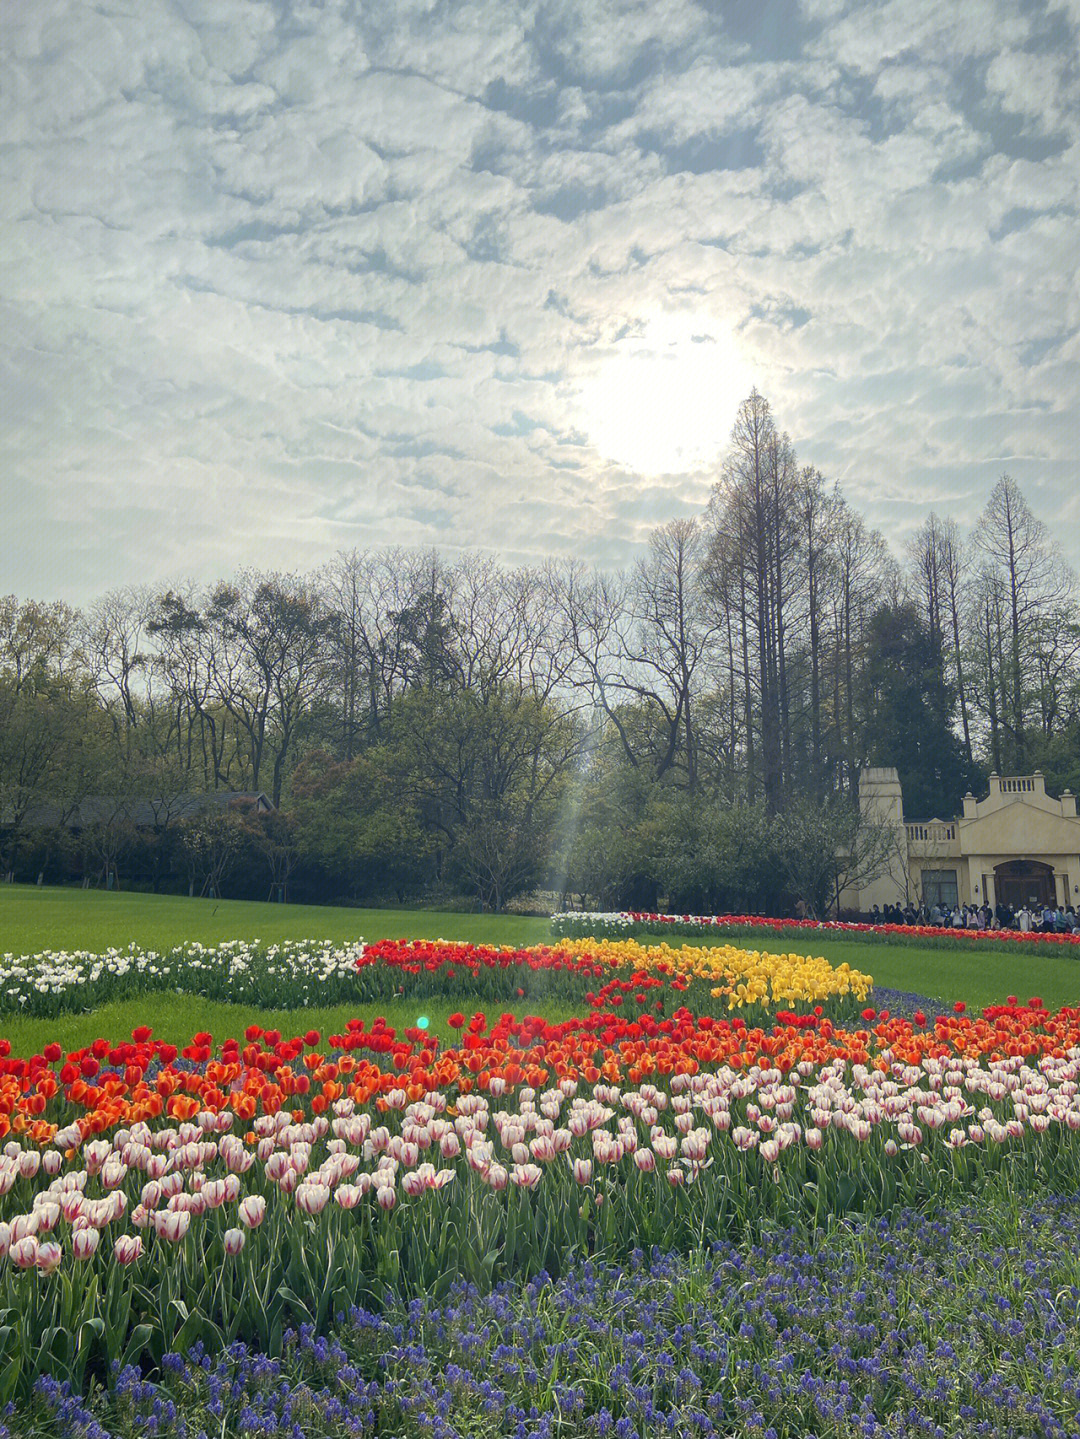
<point x="34" y="919"/>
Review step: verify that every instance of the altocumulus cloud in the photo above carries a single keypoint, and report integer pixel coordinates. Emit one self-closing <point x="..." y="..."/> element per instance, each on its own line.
<point x="279" y="279"/>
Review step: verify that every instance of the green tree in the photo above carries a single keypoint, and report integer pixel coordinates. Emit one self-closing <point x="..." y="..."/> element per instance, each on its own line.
<point x="908" y="713"/>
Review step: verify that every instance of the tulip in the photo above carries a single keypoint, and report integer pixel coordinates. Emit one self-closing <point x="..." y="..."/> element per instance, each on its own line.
<point x="312" y="1198"/>
<point x="528" y="1176"/>
<point x="23" y="1226"/>
<point x="348" y="1196"/>
<point x="84" y="1243"/>
<point x="173" y="1225"/>
<point x="581" y="1169"/>
<point x="252" y="1210"/>
<point x="23" y="1252"/>
<point x="49" y="1256"/>
<point x="29" y="1163"/>
<point x="48" y="1215"/>
<point x="113" y="1172"/>
<point x="127" y="1249"/>
<point x="496" y="1176"/>
<point x="234" y="1240"/>
<point x="386" y="1196"/>
<point x="213" y="1192"/>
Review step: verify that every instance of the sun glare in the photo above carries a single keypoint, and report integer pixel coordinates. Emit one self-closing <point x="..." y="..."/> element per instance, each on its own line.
<point x="665" y="401"/>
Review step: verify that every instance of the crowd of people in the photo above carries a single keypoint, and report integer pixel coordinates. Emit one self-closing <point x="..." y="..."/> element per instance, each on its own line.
<point x="1048" y="919"/>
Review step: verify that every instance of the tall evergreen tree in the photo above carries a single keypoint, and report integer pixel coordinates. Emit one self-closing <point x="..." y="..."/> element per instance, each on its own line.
<point x="908" y="710"/>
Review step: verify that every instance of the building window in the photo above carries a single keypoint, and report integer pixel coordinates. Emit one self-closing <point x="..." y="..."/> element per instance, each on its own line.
<point x="939" y="887"/>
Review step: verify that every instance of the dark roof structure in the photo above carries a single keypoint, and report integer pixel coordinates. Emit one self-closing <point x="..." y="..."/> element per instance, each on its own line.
<point x="153" y="813"/>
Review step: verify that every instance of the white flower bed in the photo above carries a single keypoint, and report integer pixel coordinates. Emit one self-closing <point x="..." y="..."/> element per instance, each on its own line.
<point x="286" y="975"/>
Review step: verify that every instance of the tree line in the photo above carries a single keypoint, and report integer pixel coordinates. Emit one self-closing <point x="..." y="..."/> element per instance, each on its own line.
<point x="691" y="727"/>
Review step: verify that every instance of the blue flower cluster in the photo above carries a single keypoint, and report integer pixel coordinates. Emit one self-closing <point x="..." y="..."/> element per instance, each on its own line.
<point x="959" y="1323"/>
<point x="905" y="1004"/>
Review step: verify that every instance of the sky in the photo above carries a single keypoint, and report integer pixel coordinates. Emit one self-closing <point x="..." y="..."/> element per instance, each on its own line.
<point x="283" y="279"/>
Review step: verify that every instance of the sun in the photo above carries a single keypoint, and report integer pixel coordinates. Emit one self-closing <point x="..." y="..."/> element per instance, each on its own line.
<point x="665" y="400"/>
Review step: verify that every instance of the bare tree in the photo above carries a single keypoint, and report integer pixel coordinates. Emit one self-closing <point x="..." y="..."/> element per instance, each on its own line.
<point x="1016" y="548"/>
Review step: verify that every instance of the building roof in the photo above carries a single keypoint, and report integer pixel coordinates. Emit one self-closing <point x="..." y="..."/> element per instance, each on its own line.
<point x="143" y="812"/>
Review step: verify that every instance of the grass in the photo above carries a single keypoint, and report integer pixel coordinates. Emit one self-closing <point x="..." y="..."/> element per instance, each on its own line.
<point x="33" y="919"/>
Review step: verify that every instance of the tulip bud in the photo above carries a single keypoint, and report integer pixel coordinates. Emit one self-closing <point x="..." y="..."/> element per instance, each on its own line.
<point x="48" y="1215"/>
<point x="312" y="1198"/>
<point x="23" y="1252"/>
<point x="52" y="1161"/>
<point x="234" y="1240"/>
<point x="528" y="1176"/>
<point x="127" y="1249"/>
<point x="386" y="1197"/>
<point x="213" y="1191"/>
<point x="49" y="1256"/>
<point x="22" y="1226"/>
<point x="84" y="1243"/>
<point x="252" y="1210"/>
<point x="29" y="1163"/>
<point x="582" y="1170"/>
<point x="173" y="1225"/>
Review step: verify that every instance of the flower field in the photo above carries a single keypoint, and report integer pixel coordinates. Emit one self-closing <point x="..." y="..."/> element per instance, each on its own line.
<point x="958" y="1326"/>
<point x="622" y="924"/>
<point x="726" y="1171"/>
<point x="299" y="972"/>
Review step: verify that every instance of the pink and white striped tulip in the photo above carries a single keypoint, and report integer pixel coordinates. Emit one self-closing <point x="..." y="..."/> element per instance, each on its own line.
<point x="128" y="1248"/>
<point x="252" y="1210"/>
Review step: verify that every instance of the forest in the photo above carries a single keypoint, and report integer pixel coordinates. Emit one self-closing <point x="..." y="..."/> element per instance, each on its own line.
<point x="688" y="730"/>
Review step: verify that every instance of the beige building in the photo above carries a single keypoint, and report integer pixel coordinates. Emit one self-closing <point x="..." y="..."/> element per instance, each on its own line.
<point x="1017" y="846"/>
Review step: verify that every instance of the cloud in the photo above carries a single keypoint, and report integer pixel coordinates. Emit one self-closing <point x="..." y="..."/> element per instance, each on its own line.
<point x="280" y="280"/>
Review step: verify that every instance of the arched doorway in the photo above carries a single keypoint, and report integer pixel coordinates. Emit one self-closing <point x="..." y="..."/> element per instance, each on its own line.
<point x="1024" y="881"/>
